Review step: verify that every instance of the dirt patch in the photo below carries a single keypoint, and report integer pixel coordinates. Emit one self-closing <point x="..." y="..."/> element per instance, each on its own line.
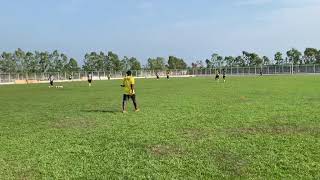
<point x="231" y="164"/>
<point x="28" y="174"/>
<point x="243" y="98"/>
<point x="165" y="150"/>
<point x="74" y="123"/>
<point x="276" y="130"/>
<point x="194" y="133"/>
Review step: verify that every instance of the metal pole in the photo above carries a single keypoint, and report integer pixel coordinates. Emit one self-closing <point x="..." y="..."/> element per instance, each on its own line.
<point x="9" y="78"/>
<point x="306" y="68"/>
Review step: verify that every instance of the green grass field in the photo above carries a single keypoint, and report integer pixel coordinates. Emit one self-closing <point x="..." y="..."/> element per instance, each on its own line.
<point x="250" y="127"/>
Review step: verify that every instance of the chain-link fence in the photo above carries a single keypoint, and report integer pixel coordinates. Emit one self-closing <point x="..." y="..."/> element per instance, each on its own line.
<point x="24" y="78"/>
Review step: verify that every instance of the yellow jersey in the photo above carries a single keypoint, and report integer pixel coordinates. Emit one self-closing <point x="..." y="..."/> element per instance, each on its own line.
<point x="127" y="82"/>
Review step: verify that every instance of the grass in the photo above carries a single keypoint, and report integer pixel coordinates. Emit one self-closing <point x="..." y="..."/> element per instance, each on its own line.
<point x="249" y="127"/>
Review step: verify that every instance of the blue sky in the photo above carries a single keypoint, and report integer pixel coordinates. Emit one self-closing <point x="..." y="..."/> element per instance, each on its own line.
<point x="191" y="29"/>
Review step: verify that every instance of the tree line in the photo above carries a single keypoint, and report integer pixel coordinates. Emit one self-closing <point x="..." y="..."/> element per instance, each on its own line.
<point x="33" y="62"/>
<point x="292" y="56"/>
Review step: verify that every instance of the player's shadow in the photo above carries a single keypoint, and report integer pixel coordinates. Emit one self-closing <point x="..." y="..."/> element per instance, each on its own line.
<point x="101" y="111"/>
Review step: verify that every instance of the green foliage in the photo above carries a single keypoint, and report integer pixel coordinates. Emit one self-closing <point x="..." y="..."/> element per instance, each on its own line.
<point x="72" y="66"/>
<point x="311" y="55"/>
<point x="7" y="63"/>
<point x="294" y="56"/>
<point x="176" y="63"/>
<point x="278" y="58"/>
<point x="156" y="64"/>
<point x="266" y="60"/>
<point x="23" y="62"/>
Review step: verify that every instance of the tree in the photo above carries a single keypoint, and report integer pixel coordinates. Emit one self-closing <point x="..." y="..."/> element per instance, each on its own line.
<point x="19" y="58"/>
<point x="318" y="58"/>
<point x="310" y="55"/>
<point x="7" y="63"/>
<point x="194" y="65"/>
<point x="240" y="61"/>
<point x="156" y="64"/>
<point x="200" y="64"/>
<point x="255" y="60"/>
<point x="217" y="61"/>
<point x="90" y="62"/>
<point x="230" y="60"/>
<point x="134" y="64"/>
<point x="72" y="65"/>
<point x="294" y="56"/>
<point x="114" y="62"/>
<point x="176" y="63"/>
<point x="208" y="63"/>
<point x="246" y="58"/>
<point x="31" y="63"/>
<point x="130" y="63"/>
<point x="266" y="60"/>
<point x="278" y="58"/>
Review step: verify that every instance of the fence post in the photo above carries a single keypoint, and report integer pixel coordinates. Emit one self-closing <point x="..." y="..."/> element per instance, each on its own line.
<point x="35" y="76"/>
<point x="9" y="77"/>
<point x="306" y="69"/>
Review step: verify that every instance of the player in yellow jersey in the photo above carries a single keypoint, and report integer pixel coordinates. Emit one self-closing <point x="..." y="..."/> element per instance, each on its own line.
<point x="129" y="92"/>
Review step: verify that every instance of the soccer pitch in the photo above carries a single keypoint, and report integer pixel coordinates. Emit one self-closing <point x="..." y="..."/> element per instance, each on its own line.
<point x="250" y="127"/>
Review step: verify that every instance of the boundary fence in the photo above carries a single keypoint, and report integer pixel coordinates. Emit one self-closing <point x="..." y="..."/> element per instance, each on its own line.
<point x="24" y="78"/>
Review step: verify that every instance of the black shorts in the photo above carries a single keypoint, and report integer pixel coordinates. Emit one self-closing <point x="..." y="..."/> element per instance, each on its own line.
<point x="51" y="83"/>
<point x="90" y="80"/>
<point x="224" y="77"/>
<point x="127" y="97"/>
<point x="217" y="77"/>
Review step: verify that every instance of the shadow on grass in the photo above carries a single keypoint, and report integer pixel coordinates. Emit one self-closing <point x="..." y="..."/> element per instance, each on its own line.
<point x="101" y="111"/>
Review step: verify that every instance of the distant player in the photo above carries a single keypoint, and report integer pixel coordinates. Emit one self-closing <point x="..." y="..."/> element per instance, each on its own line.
<point x="224" y="75"/>
<point x="157" y="74"/>
<point x="51" y="79"/>
<point x="70" y="77"/>
<point x="261" y="72"/>
<point x="90" y="79"/>
<point x="168" y="75"/>
<point x="217" y="78"/>
<point x="129" y="92"/>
